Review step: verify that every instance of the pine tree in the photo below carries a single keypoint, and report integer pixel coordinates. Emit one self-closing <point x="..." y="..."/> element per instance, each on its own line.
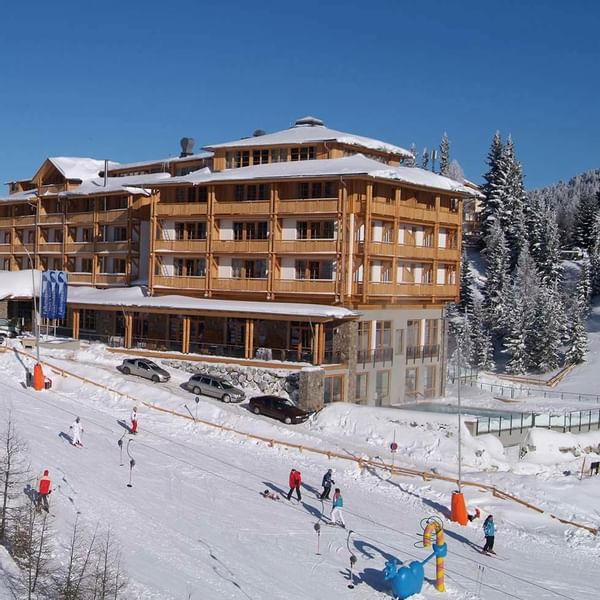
<point x="455" y="172"/>
<point x="466" y="282"/>
<point x="587" y="213"/>
<point x="546" y="249"/>
<point x="444" y="155"/>
<point x="595" y="259"/>
<point x="482" y="354"/>
<point x="411" y="161"/>
<point x="425" y="159"/>
<point x="583" y="290"/>
<point x="491" y="189"/>
<point x="497" y="278"/>
<point x="515" y="341"/>
<point x="546" y="331"/>
<point x="578" y="339"/>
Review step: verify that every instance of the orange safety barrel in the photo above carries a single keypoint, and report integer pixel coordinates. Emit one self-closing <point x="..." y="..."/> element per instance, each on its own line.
<point x="38" y="377"/>
<point x="458" y="512"/>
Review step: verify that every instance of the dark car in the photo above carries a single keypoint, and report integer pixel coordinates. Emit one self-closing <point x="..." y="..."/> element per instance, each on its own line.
<point x="278" y="408"/>
<point x="144" y="368"/>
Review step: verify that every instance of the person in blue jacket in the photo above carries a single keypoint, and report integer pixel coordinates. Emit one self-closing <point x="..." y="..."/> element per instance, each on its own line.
<point x="489" y="530"/>
<point x="336" y="510"/>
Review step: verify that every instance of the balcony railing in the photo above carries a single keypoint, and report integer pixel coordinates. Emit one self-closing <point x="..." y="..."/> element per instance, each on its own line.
<point x="54" y="247"/>
<point x="422" y="353"/>
<point x="83" y="247"/>
<point x="113" y="216"/>
<point x="304" y="286"/>
<point x="106" y="247"/>
<point x="246" y="208"/>
<point x="377" y="356"/>
<point x="239" y="285"/>
<point x="305" y="246"/>
<point x="241" y="246"/>
<point x="181" y="209"/>
<point x="177" y="282"/>
<point x="191" y="246"/>
<point x="51" y="218"/>
<point x="308" y="207"/>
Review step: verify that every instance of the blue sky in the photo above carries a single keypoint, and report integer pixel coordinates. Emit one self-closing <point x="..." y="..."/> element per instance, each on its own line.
<point x="126" y="80"/>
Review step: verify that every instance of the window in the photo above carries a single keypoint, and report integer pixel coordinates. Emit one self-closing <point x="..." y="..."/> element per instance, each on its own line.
<point x="31" y="237"/>
<point x="86" y="265"/>
<point x="316" y="189"/>
<point x="249" y="269"/>
<point x="431" y="332"/>
<point x="408" y="274"/>
<point x="251" y="230"/>
<point x="429" y="381"/>
<point x="382" y="388"/>
<point x="332" y="389"/>
<point x="301" y="230"/>
<point x="88" y="320"/>
<point x="260" y="157"/>
<point x="278" y="155"/>
<point x="314" y="269"/>
<point x="102" y="262"/>
<point x="383" y="334"/>
<point x="303" y="153"/>
<point x="364" y="334"/>
<point x="410" y="383"/>
<point x="6" y="264"/>
<point x="388" y="234"/>
<point x="87" y="234"/>
<point x="120" y="234"/>
<point x="202" y="194"/>
<point x="119" y="266"/>
<point x="185" y="194"/>
<point x="427" y="274"/>
<point x="413" y="334"/>
<point x="428" y="238"/>
<point x="190" y="231"/>
<point x="19" y="263"/>
<point x="189" y="267"/>
<point x="362" y="387"/>
<point x="252" y="192"/>
<point x="386" y="273"/>
<point x="5" y="237"/>
<point x="56" y="264"/>
<point x="315" y="230"/>
<point x="237" y="159"/>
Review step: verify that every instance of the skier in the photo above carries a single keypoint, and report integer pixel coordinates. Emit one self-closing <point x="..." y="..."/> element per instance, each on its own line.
<point x="134" y="420"/>
<point x="489" y="530"/>
<point x="336" y="510"/>
<point x="44" y="490"/>
<point x="327" y="483"/>
<point x="270" y="495"/>
<point x="76" y="431"/>
<point x="295" y="481"/>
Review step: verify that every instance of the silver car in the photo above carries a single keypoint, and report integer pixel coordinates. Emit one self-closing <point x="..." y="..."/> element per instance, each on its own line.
<point x="144" y="367"/>
<point x="217" y="387"/>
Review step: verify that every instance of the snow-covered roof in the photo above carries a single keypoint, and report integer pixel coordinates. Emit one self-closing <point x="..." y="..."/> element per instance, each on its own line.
<point x="356" y="164"/>
<point x="77" y="167"/>
<point x="134" y="297"/>
<point x="26" y="195"/>
<point x="309" y="130"/>
<point x="19" y="284"/>
<point x="160" y="161"/>
<point x="129" y="184"/>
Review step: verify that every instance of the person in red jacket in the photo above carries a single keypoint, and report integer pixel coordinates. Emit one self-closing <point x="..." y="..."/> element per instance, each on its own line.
<point x="44" y="490"/>
<point x="295" y="481"/>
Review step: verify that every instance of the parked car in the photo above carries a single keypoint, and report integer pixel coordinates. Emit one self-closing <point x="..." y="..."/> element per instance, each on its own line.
<point x="217" y="387"/>
<point x="144" y="367"/>
<point x="10" y="328"/>
<point x="278" y="408"/>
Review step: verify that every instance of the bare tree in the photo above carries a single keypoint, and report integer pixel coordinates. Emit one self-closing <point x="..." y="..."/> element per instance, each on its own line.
<point x="14" y="472"/>
<point x="109" y="580"/>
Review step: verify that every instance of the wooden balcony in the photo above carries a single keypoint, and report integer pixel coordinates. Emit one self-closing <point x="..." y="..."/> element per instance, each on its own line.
<point x="415" y="252"/>
<point x="81" y="278"/>
<point x="105" y="247"/>
<point x="304" y="286"/>
<point x="260" y="207"/>
<point x="181" y="246"/>
<point x="387" y="209"/>
<point x="80" y="247"/>
<point x="447" y="217"/>
<point x="6" y="221"/>
<point x="308" y="207"/>
<point x="23" y="221"/>
<point x="240" y="246"/>
<point x="382" y="249"/>
<point x="181" y="209"/>
<point x="180" y="283"/>
<point x="450" y="254"/>
<point x="46" y="247"/>
<point x="223" y="284"/>
<point x="113" y="216"/>
<point x="378" y="288"/>
<point x="111" y="279"/>
<point x="418" y="290"/>
<point x="19" y="247"/>
<point x="83" y="218"/>
<point x="301" y="247"/>
<point x="50" y="190"/>
<point x="51" y="218"/>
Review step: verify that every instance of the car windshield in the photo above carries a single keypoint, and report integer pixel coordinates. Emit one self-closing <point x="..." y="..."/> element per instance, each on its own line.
<point x="152" y="365"/>
<point x="227" y="384"/>
<point x="287" y="402"/>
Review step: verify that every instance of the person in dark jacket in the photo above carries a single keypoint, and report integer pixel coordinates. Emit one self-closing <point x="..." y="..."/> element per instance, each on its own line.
<point x="489" y="530"/>
<point x="327" y="483"/>
<point x="295" y="481"/>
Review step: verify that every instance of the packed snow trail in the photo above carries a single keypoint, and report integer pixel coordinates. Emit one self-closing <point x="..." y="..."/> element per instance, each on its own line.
<point x="194" y="522"/>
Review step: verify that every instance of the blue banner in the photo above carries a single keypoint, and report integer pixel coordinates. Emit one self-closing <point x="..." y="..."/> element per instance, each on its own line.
<point x="54" y="295"/>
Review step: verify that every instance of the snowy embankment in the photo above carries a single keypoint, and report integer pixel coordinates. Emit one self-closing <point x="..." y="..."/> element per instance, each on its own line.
<point x="194" y="526"/>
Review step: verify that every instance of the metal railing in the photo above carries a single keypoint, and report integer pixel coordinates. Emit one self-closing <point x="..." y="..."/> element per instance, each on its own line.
<point x="376" y="356"/>
<point x="423" y="352"/>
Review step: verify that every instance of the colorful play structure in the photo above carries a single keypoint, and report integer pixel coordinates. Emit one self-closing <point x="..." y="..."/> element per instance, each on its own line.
<point x="408" y="580"/>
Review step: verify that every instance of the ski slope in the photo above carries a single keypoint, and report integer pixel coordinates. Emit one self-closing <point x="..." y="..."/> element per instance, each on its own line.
<point x="194" y="525"/>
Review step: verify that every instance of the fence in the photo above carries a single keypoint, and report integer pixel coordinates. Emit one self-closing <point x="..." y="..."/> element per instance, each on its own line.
<point x="511" y="391"/>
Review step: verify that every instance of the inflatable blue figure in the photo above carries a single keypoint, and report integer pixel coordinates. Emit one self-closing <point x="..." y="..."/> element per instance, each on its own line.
<point x="408" y="580"/>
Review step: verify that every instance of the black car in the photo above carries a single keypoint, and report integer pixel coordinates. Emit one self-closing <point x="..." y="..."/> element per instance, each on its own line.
<point x="278" y="408"/>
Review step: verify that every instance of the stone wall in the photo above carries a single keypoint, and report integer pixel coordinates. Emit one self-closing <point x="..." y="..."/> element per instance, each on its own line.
<point x="345" y="341"/>
<point x="4" y="309"/>
<point x="311" y="388"/>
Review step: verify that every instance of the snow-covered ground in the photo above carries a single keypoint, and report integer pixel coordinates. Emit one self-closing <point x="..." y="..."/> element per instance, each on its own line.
<point x="194" y="525"/>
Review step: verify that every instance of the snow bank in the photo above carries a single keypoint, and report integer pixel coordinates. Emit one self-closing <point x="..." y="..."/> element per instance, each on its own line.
<point x="549" y="447"/>
<point x="19" y="284"/>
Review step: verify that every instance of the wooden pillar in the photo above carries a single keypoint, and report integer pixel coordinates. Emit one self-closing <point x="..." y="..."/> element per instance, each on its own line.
<point x="128" y="330"/>
<point x="185" y="339"/>
<point x="317" y="343"/>
<point x="249" y="338"/>
<point x="76" y="322"/>
<point x="321" y="343"/>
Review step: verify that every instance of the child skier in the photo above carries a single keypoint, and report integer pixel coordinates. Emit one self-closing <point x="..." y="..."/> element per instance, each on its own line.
<point x="134" y="420"/>
<point x="295" y="480"/>
<point x="327" y="483"/>
<point x="489" y="530"/>
<point x="336" y="510"/>
<point x="270" y="495"/>
<point x="76" y="431"/>
<point x="44" y="490"/>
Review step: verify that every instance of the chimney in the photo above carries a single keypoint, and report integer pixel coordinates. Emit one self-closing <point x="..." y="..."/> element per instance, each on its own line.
<point x="187" y="147"/>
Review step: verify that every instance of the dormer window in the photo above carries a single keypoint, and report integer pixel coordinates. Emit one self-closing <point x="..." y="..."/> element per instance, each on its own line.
<point x="303" y="153"/>
<point x="235" y="160"/>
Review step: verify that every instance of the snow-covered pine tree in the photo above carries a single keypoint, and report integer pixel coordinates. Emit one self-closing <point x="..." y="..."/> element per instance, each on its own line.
<point x="411" y="161"/>
<point x="578" y="338"/>
<point x="455" y="172"/>
<point x="546" y="247"/>
<point x="466" y="282"/>
<point x="444" y="155"/>
<point x="595" y="259"/>
<point x="585" y="219"/>
<point x="515" y="340"/>
<point x="546" y="331"/>
<point x="583" y="290"/>
<point x="482" y="349"/>
<point x="494" y="179"/>
<point x="497" y="278"/>
<point x="425" y="159"/>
